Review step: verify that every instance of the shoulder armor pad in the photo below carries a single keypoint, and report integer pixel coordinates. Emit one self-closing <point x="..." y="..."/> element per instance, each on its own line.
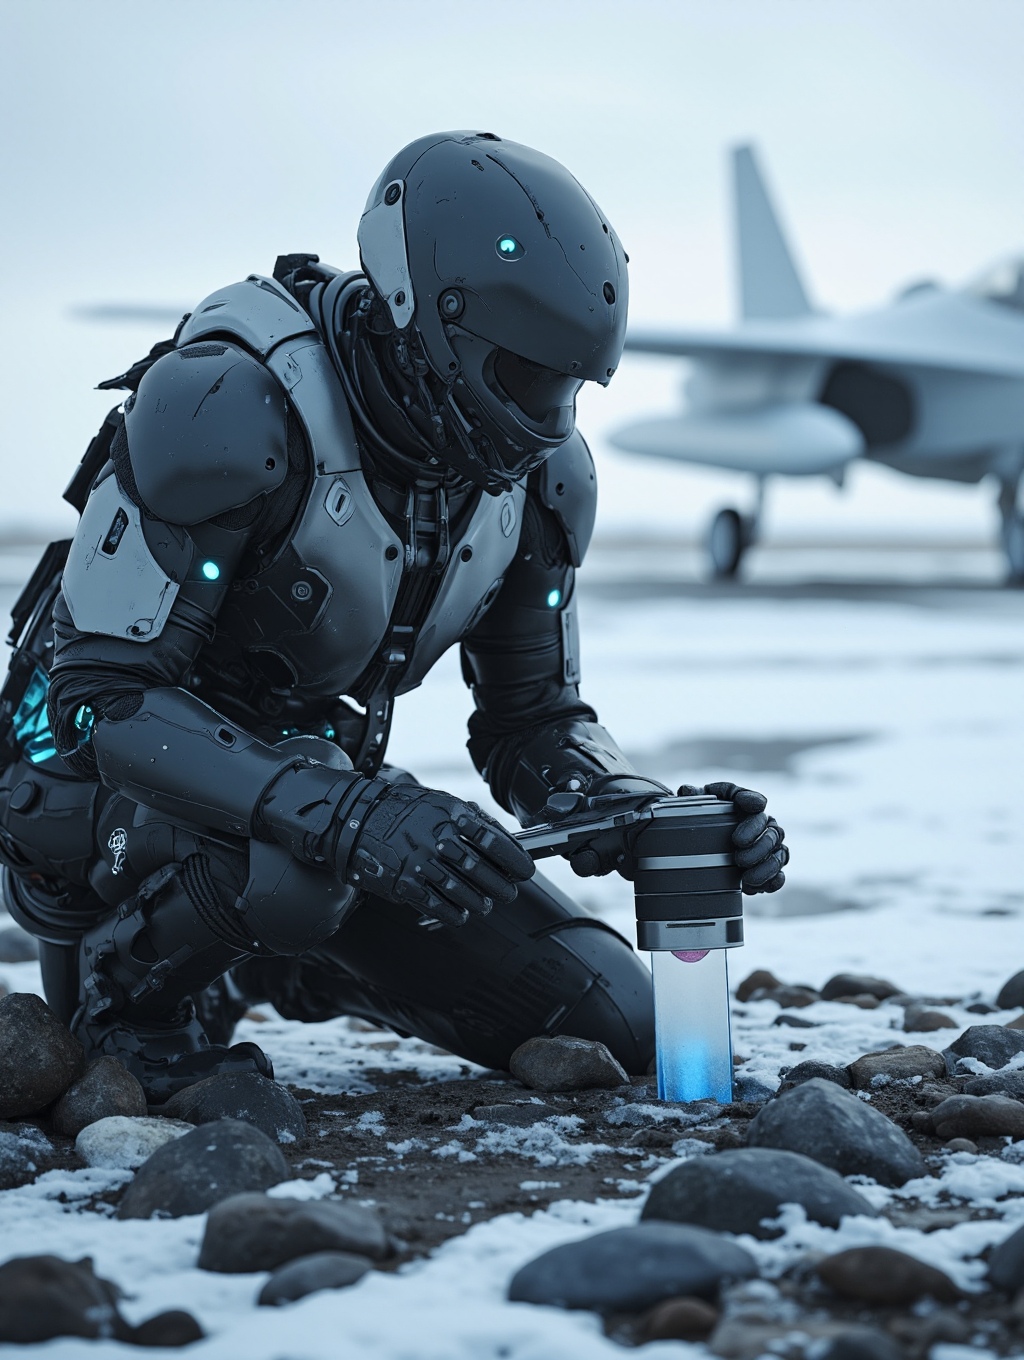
<point x="206" y="433"/>
<point x="112" y="582"/>
<point x="568" y="487"/>
<point x="258" y="311"/>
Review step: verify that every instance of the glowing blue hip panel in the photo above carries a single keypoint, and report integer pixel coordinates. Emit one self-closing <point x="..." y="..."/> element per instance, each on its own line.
<point x="693" y="1034"/>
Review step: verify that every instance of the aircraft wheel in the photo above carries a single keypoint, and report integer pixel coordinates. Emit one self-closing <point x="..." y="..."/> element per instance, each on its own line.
<point x="1013" y="546"/>
<point x="726" y="543"/>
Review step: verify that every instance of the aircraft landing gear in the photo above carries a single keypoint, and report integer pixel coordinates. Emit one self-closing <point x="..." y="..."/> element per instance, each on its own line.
<point x="1012" y="531"/>
<point x="730" y="535"/>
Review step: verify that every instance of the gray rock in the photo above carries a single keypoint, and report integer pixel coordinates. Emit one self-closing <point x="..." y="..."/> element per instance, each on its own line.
<point x="42" y="1297"/>
<point x="1006" y="1264"/>
<point x="824" y="1122"/>
<point x="628" y="1270"/>
<point x="520" y="1116"/>
<point x="994" y="1045"/>
<point x="241" y="1095"/>
<point x="684" y="1319"/>
<point x="795" y="1021"/>
<point x="308" y="1274"/>
<point x="810" y="1070"/>
<point x="564" y="1063"/>
<point x="788" y="998"/>
<point x="740" y="1339"/>
<point x="259" y="1232"/>
<point x="915" y="1060"/>
<point x="962" y="1145"/>
<point x="203" y="1167"/>
<point x="24" y="1152"/>
<point x="173" y="1328"/>
<point x="123" y="1143"/>
<point x="758" y="979"/>
<point x="978" y="1117"/>
<point x="1000" y="1083"/>
<point x="921" y="1020"/>
<point x="39" y="1058"/>
<point x="1011" y="994"/>
<point x="863" y="1343"/>
<point x="107" y="1088"/>
<point x="735" y="1190"/>
<point x="17" y="945"/>
<point x="857" y="984"/>
<point x="884" y="1277"/>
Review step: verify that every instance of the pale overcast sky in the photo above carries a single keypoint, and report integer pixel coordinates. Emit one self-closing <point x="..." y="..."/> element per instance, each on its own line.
<point x="152" y="151"/>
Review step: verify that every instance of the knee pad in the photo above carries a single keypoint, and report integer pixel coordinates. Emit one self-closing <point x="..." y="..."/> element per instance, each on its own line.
<point x="46" y="823"/>
<point x="289" y="906"/>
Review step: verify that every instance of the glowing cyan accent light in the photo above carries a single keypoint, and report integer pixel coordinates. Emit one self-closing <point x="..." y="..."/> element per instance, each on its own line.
<point x="211" y="571"/>
<point x="554" y="599"/>
<point x="509" y="248"/>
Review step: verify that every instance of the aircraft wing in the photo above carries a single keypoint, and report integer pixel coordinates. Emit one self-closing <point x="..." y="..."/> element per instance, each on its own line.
<point x="936" y="330"/>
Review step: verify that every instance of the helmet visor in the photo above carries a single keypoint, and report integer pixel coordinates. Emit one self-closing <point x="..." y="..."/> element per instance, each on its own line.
<point x="538" y="391"/>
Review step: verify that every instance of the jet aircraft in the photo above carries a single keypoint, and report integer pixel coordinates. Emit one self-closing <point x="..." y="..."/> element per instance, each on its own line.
<point x="931" y="384"/>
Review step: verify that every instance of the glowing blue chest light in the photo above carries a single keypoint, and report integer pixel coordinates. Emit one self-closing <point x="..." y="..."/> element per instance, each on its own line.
<point x="554" y="599"/>
<point x="211" y="571"/>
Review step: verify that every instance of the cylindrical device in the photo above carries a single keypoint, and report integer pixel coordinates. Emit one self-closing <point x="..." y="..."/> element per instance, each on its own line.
<point x="689" y="911"/>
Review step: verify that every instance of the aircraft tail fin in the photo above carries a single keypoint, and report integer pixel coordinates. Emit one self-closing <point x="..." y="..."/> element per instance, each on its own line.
<point x="770" y="286"/>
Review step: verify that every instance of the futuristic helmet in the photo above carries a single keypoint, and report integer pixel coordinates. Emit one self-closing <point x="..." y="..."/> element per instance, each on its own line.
<point x="505" y="271"/>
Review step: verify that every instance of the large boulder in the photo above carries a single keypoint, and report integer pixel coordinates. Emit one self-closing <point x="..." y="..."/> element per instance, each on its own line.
<point x="39" y="1057"/>
<point x="241" y="1095"/>
<point x="564" y="1063"/>
<point x="736" y="1190"/>
<point x="205" y="1166"/>
<point x="258" y="1232"/>
<point x="821" y="1120"/>
<point x="896" y="1064"/>
<point x="994" y="1045"/>
<point x="106" y="1089"/>
<point x="628" y="1270"/>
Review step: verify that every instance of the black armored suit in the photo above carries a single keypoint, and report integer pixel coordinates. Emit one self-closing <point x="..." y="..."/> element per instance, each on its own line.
<point x="323" y="483"/>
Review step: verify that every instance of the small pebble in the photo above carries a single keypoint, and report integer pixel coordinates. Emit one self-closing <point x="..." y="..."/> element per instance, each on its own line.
<point x="120" y="1142"/>
<point x="919" y="1020"/>
<point x="309" y="1274"/>
<point x="897" y="1063"/>
<point x="564" y="1063"/>
<point x="759" y="978"/>
<point x="685" y="1319"/>
<point x="857" y="984"/>
<point x="258" y="1232"/>
<point x="248" y="1096"/>
<point x="1011" y="994"/>
<point x="884" y="1277"/>
<point x="42" y="1297"/>
<point x="107" y="1088"/>
<point x="961" y="1145"/>
<point x="788" y="998"/>
<point x="173" y="1328"/>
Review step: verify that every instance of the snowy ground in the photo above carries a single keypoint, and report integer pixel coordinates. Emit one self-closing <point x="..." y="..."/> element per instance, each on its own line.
<point x="884" y="720"/>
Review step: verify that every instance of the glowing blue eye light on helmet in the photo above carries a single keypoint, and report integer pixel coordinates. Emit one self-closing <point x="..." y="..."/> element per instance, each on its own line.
<point x="509" y="248"/>
<point x="211" y="571"/>
<point x="554" y="599"/>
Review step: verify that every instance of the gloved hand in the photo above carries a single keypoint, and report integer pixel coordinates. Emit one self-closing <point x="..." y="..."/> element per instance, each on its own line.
<point x="433" y="852"/>
<point x="612" y="849"/>
<point x="761" y="853"/>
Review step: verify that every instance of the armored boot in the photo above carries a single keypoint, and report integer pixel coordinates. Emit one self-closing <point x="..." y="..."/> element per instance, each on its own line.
<point x="139" y="969"/>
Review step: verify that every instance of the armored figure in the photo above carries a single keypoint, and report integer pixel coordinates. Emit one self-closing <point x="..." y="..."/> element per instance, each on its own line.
<point x="322" y="483"/>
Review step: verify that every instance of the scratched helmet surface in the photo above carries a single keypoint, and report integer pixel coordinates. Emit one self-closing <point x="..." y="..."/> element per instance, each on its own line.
<point x="512" y="279"/>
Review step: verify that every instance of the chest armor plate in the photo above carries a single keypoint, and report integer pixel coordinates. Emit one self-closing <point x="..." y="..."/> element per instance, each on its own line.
<point x="322" y="612"/>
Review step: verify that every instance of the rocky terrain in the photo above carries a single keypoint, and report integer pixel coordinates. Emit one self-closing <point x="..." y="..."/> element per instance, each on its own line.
<point x="870" y="1208"/>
